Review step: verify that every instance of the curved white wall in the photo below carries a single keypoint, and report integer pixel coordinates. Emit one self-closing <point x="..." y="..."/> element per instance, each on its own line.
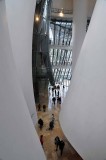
<point x="20" y="16"/>
<point x="83" y="115"/>
<point x="90" y="7"/>
<point x="18" y="138"/>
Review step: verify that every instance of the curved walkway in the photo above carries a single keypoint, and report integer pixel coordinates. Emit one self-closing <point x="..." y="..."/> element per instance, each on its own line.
<point x="49" y="135"/>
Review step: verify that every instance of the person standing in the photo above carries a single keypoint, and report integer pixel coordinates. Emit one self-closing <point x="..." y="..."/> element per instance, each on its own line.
<point x="57" y="141"/>
<point x="54" y="99"/>
<point x="55" y="92"/>
<point x="51" y="125"/>
<point x="61" y="146"/>
<point x="52" y="92"/>
<point x="58" y="93"/>
<point x="39" y="107"/>
<point x="53" y="118"/>
<point x="44" y="108"/>
<point x="40" y="122"/>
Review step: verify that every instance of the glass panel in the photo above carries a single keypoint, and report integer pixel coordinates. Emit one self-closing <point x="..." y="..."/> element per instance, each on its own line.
<point x="61" y="59"/>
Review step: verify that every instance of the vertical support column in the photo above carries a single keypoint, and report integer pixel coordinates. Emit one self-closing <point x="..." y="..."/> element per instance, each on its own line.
<point x="79" y="27"/>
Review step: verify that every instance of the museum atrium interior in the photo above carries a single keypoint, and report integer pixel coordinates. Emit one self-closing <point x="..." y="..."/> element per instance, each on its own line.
<point x="52" y="68"/>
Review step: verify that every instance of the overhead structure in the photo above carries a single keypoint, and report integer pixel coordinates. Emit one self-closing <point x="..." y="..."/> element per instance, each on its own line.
<point x="82" y="115"/>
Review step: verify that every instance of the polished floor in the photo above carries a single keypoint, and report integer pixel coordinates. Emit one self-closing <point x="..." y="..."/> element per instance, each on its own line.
<point x="49" y="135"/>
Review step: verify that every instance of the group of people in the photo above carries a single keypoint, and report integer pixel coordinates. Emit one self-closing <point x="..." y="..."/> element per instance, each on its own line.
<point x="41" y="107"/>
<point x="56" y="91"/>
<point x="59" y="144"/>
<point x="51" y="123"/>
<point x="58" y="100"/>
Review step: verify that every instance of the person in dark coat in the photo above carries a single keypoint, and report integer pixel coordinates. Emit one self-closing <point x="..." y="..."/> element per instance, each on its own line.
<point x="61" y="146"/>
<point x="52" y="92"/>
<point x="55" y="92"/>
<point x="39" y="107"/>
<point x="53" y="118"/>
<point x="40" y="122"/>
<point x="58" y="87"/>
<point x="58" y="93"/>
<point x="57" y="141"/>
<point x="51" y="125"/>
<point x="54" y="100"/>
<point x="44" y="108"/>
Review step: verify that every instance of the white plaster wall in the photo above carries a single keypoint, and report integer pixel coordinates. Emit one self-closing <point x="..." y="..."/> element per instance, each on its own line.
<point x="20" y="16"/>
<point x="83" y="114"/>
<point x="18" y="138"/>
<point x="90" y="7"/>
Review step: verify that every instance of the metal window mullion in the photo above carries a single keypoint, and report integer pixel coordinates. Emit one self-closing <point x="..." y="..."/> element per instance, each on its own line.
<point x="53" y="57"/>
<point x="59" y="35"/>
<point x="58" y="43"/>
<point x="64" y="56"/>
<point x="68" y="73"/>
<point x="69" y="56"/>
<point x="64" y="32"/>
<point x="59" y="74"/>
<point x="61" y="56"/>
<point x="54" y="33"/>
<point x="56" y="74"/>
<point x="63" y="75"/>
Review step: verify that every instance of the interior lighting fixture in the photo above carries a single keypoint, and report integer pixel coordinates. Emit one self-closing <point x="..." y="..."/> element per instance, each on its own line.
<point x="61" y="14"/>
<point x="36" y="18"/>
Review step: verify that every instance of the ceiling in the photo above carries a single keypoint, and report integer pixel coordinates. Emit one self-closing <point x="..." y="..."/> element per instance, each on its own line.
<point x="68" y="5"/>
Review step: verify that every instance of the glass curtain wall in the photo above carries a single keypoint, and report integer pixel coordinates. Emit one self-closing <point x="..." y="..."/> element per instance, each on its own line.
<point x="60" y="35"/>
<point x="60" y="55"/>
